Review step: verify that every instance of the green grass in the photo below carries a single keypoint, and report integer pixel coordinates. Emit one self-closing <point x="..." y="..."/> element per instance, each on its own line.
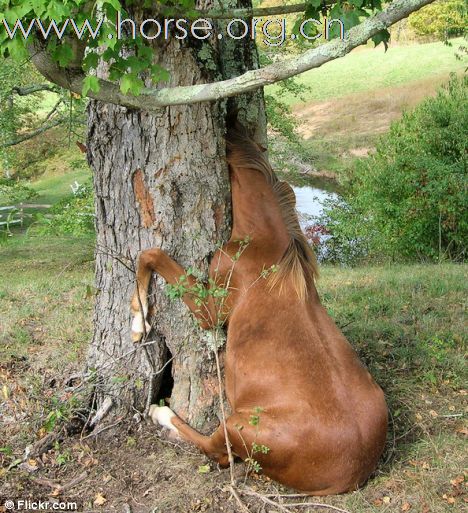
<point x="407" y="322"/>
<point x="43" y="300"/>
<point x="64" y="167"/>
<point x="53" y="188"/>
<point x="368" y="69"/>
<point x="408" y="319"/>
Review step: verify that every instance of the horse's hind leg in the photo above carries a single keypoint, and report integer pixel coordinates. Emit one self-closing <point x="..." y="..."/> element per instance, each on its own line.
<point x="213" y="446"/>
<point x="158" y="261"/>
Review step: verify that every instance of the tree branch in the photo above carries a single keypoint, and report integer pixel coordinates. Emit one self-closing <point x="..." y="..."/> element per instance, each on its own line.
<point x="247" y="12"/>
<point x="31" y="135"/>
<point x="154" y="99"/>
<point x="24" y="91"/>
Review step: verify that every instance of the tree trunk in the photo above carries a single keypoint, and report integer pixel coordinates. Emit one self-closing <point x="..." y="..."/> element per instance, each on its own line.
<point x="161" y="181"/>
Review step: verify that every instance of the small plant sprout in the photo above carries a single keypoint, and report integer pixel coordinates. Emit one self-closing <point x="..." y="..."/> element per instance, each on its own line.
<point x="242" y="247"/>
<point x="252" y="464"/>
<point x="260" y="448"/>
<point x="269" y="271"/>
<point x="255" y="417"/>
<point x="61" y="457"/>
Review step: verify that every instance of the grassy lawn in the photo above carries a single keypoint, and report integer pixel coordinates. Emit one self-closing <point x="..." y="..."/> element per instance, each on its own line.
<point x="368" y="69"/>
<point x="65" y="166"/>
<point x="52" y="187"/>
<point x="405" y="321"/>
<point x="59" y="171"/>
<point x="42" y="299"/>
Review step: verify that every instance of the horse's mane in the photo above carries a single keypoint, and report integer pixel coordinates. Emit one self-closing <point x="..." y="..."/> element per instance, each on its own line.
<point x="298" y="262"/>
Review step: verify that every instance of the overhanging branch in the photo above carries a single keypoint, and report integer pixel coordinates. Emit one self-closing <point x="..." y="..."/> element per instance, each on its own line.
<point x="243" y="12"/>
<point x="247" y="12"/>
<point x="31" y="135"/>
<point x="24" y="91"/>
<point x="154" y="99"/>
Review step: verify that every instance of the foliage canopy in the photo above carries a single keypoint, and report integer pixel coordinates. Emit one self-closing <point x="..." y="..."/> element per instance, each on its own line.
<point x="77" y="30"/>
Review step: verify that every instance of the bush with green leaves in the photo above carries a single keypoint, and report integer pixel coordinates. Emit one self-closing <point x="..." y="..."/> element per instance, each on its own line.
<point x="409" y="199"/>
<point x="15" y="111"/>
<point x="73" y="215"/>
<point x="13" y="192"/>
<point x="442" y="19"/>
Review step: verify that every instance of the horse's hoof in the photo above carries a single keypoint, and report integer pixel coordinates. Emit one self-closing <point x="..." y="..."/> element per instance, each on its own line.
<point x="137" y="327"/>
<point x="136" y="337"/>
<point x="162" y="415"/>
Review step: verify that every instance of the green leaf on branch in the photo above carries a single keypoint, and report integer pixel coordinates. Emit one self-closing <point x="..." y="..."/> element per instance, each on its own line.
<point x="132" y="84"/>
<point x="159" y="74"/>
<point x="15" y="48"/>
<point x="90" y="61"/>
<point x="114" y="3"/>
<point x="350" y="18"/>
<point x="63" y="54"/>
<point x="382" y="37"/>
<point x="90" y="83"/>
<point x="57" y="11"/>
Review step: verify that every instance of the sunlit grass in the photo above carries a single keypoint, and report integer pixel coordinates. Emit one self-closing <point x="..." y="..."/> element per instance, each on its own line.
<point x="368" y="69"/>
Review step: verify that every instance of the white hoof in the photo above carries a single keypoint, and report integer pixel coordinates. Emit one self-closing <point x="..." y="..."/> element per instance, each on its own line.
<point x="162" y="415"/>
<point x="137" y="327"/>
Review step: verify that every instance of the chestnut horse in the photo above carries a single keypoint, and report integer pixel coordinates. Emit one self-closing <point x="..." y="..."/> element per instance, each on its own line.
<point x="318" y="413"/>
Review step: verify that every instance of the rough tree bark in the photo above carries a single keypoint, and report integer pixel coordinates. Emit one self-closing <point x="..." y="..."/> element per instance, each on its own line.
<point x="161" y="181"/>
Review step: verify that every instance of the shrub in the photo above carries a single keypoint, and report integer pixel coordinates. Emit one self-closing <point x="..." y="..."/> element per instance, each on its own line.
<point x="73" y="215"/>
<point x="12" y="192"/>
<point x="442" y="19"/>
<point x="408" y="200"/>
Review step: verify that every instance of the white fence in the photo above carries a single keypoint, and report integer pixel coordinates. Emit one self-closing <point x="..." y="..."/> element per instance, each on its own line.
<point x="15" y="214"/>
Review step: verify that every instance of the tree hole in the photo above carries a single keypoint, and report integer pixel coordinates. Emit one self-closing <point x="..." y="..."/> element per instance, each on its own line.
<point x="167" y="381"/>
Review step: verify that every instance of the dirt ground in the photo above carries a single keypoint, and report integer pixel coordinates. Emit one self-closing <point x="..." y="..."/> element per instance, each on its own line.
<point x="363" y="113"/>
<point x="135" y="468"/>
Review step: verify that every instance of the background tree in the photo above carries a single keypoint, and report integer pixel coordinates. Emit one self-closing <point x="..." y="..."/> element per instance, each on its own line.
<point x="407" y="201"/>
<point x="156" y="124"/>
<point x="442" y="19"/>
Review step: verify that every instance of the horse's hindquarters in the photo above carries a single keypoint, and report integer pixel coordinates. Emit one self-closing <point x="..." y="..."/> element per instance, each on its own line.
<point x="309" y="454"/>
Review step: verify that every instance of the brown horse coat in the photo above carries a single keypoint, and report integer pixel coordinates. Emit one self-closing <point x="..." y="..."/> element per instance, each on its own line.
<point x="321" y="415"/>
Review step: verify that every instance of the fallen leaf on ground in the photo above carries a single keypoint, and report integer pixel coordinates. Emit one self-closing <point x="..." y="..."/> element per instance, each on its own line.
<point x="450" y="500"/>
<point x="457" y="481"/>
<point x="99" y="500"/>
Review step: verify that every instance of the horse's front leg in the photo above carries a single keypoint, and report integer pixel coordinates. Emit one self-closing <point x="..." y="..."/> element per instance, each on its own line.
<point x="156" y="260"/>
<point x="213" y="446"/>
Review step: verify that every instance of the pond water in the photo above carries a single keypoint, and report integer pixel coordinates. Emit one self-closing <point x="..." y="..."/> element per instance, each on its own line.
<point x="309" y="202"/>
